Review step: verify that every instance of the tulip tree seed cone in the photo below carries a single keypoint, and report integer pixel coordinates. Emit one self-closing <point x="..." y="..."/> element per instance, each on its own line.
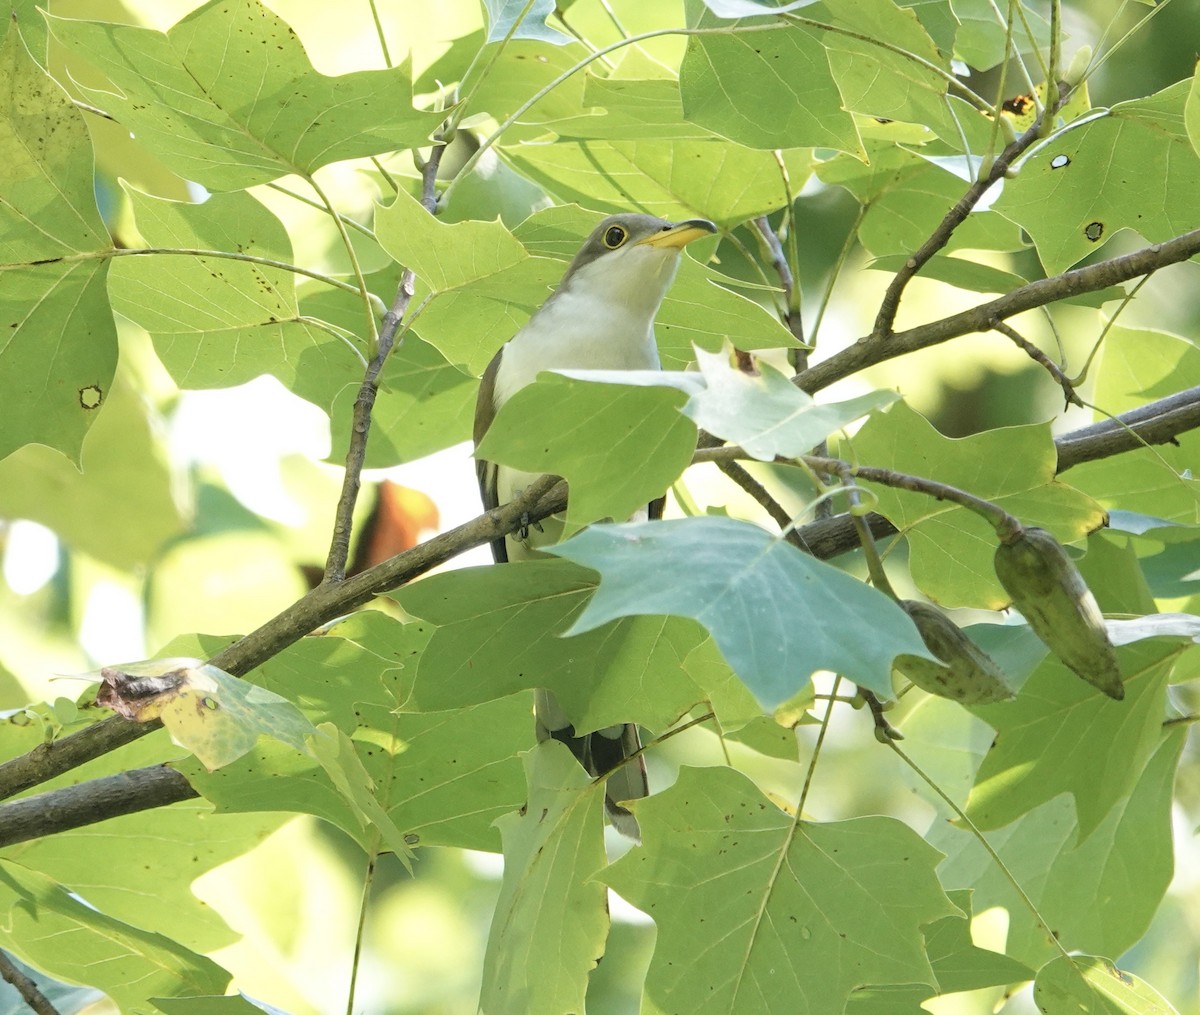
<point x="1051" y="594"/>
<point x="965" y="674"/>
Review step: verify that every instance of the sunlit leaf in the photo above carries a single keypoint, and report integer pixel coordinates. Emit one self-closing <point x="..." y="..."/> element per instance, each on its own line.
<point x="59" y="350"/>
<point x="611" y="427"/>
<point x="952" y="548"/>
<point x="776" y="614"/>
<point x="218" y="322"/>
<point x="1062" y="736"/>
<point x="228" y="98"/>
<point x="1093" y="984"/>
<point x="551" y="902"/>
<point x="1098" y="893"/>
<point x="1132" y="167"/>
<point x="748" y="903"/>
<point x="129" y="964"/>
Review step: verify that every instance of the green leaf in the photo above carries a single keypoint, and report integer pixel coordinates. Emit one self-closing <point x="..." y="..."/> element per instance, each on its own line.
<point x="95" y="511"/>
<point x="443" y="776"/>
<point x="748" y="902"/>
<point x="444" y="255"/>
<point x="1130" y="168"/>
<point x="1098" y="893"/>
<point x="1061" y="736"/>
<point x="776" y="613"/>
<point x="227" y="96"/>
<point x="1137" y="364"/>
<point x="622" y="447"/>
<point x="502" y="15"/>
<point x="796" y="102"/>
<point x="218" y="322"/>
<point x="60" y="347"/>
<point x="951" y="548"/>
<point x="337" y="755"/>
<point x="881" y="82"/>
<point x="1191" y="113"/>
<point x="188" y="841"/>
<point x="767" y="414"/>
<point x="957" y="963"/>
<point x="551" y="902"/>
<point x="676" y="179"/>
<point x="1094" y="985"/>
<point x="129" y="964"/>
<point x="499" y="630"/>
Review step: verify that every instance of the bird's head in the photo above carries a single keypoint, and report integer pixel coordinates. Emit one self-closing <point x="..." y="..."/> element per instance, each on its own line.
<point x="632" y="259"/>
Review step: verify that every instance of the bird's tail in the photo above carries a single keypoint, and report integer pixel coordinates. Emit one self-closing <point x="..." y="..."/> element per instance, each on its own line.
<point x="599" y="752"/>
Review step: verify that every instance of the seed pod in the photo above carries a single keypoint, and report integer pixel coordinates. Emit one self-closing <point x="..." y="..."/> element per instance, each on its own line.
<point x="966" y="673"/>
<point x="1051" y="594"/>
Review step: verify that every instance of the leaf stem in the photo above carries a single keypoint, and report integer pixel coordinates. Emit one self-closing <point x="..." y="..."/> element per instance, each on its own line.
<point x="225" y="255"/>
<point x="362" y="290"/>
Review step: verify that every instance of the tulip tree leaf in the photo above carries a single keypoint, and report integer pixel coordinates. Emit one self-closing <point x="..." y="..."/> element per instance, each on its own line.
<point x="952" y="548"/>
<point x="618" y="446"/>
<point x="445" y="255"/>
<point x="553" y="851"/>
<point x="958" y="963"/>
<point x="227" y="96"/>
<point x="127" y="963"/>
<point x="502" y="16"/>
<point x="748" y="903"/>
<point x="1137" y="364"/>
<point x="775" y="613"/>
<point x="767" y="414"/>
<point x="797" y="101"/>
<point x="1060" y="736"/>
<point x="1092" y="984"/>
<point x="499" y="630"/>
<point x="59" y="350"/>
<point x="442" y="775"/>
<point x="1133" y="167"/>
<point x="218" y="322"/>
<point x="1099" y="893"/>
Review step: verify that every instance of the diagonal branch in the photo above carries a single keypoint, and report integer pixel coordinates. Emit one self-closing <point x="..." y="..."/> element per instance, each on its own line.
<point x="955" y="218"/>
<point x="868" y="351"/>
<point x="1156" y="423"/>
<point x="368" y="391"/>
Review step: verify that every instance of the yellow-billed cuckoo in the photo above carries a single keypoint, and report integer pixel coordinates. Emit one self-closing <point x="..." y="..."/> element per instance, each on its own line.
<point x="601" y="317"/>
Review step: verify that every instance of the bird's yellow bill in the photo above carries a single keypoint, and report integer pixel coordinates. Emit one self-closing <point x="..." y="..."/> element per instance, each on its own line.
<point x="681" y="235"/>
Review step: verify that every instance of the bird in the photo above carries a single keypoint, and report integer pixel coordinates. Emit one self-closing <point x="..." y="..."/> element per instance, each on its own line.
<point x="599" y="317"/>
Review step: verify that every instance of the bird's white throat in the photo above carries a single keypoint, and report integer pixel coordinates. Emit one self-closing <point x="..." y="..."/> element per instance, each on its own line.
<point x="601" y="319"/>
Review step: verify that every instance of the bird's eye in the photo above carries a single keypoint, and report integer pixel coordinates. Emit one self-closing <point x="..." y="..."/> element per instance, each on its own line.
<point x="614" y="236"/>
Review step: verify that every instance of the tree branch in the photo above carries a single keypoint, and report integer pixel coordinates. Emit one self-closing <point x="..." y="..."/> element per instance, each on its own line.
<point x="954" y="218"/>
<point x="868" y="351"/>
<point x="325" y="603"/>
<point x="88" y="802"/>
<point x="38" y="1003"/>
<point x="1156" y="423"/>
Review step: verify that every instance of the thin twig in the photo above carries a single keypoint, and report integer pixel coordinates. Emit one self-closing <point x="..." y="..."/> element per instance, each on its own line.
<point x="34" y="998"/>
<point x="1039" y="357"/>
<point x="953" y="219"/>
<point x="790" y="314"/>
<point x="368" y="391"/>
<point x="763" y="498"/>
